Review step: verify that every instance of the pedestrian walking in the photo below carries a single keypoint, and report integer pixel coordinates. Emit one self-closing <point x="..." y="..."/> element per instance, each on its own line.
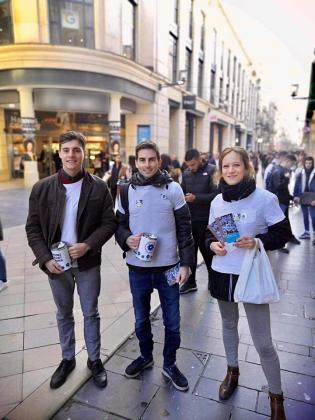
<point x="199" y="190"/>
<point x="118" y="173"/>
<point x="154" y="205"/>
<point x="257" y="214"/>
<point x="303" y="188"/>
<point x="3" y="271"/>
<point x="74" y="208"/>
<point x="280" y="179"/>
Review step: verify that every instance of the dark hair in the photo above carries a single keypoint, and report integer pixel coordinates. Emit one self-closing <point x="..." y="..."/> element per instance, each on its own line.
<point x="166" y="162"/>
<point x="310" y="158"/>
<point x="147" y="145"/>
<point x="192" y="154"/>
<point x="290" y="157"/>
<point x="72" y="135"/>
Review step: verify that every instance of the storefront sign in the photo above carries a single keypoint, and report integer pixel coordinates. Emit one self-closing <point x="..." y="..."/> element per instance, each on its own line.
<point x="70" y="19"/>
<point x="143" y="133"/>
<point x="189" y="102"/>
<point x="28" y="126"/>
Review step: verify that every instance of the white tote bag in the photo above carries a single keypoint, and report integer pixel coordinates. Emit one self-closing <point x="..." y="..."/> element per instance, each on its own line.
<point x="256" y="282"/>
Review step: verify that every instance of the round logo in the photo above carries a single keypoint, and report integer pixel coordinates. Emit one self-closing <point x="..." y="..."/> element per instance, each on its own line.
<point x="149" y="247"/>
<point x="70" y="18"/>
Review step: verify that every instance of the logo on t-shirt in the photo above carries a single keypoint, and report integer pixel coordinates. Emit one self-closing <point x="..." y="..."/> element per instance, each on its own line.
<point x="240" y="216"/>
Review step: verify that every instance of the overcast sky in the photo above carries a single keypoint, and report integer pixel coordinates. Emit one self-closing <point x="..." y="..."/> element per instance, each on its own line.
<point x="279" y="36"/>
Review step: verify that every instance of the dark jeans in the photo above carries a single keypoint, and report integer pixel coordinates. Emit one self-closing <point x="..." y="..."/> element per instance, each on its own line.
<point x="198" y="231"/>
<point x="285" y="209"/>
<point x="3" y="273"/>
<point x="113" y="192"/>
<point x="142" y="285"/>
<point x="308" y="210"/>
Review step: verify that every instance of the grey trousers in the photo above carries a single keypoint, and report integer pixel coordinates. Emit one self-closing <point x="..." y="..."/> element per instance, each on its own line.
<point x="88" y="286"/>
<point x="258" y="317"/>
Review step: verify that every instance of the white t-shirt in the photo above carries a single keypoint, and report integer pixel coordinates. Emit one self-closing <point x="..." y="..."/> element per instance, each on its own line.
<point x="151" y="210"/>
<point x="69" y="219"/>
<point x="252" y="216"/>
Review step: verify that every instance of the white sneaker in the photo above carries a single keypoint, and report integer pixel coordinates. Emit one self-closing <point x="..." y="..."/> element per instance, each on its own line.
<point x="3" y="285"/>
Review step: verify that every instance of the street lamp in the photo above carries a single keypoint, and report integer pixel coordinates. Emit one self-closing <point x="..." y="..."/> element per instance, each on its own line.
<point x="295" y="93"/>
<point x="178" y="83"/>
<point x="181" y="81"/>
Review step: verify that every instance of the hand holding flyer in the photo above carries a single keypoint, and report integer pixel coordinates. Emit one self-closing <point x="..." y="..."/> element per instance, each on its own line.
<point x="225" y="230"/>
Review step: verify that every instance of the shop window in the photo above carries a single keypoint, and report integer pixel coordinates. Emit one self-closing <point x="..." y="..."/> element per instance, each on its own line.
<point x="6" y="32"/>
<point x="128" y="29"/>
<point x="72" y="22"/>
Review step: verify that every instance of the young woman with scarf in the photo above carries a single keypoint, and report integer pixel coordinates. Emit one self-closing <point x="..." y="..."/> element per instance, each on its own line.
<point x="257" y="214"/>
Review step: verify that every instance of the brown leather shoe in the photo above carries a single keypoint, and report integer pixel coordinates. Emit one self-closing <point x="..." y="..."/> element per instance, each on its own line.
<point x="276" y="405"/>
<point x="230" y="383"/>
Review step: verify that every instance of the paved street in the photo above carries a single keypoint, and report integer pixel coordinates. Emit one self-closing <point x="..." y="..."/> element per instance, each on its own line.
<point x="29" y="349"/>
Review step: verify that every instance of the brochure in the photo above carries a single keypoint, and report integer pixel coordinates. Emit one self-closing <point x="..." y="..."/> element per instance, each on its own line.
<point x="225" y="230"/>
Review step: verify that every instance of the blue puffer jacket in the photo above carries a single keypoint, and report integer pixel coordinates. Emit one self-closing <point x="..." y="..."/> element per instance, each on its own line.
<point x="300" y="183"/>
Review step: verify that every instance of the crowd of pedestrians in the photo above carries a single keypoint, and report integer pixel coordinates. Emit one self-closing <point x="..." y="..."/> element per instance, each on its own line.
<point x="163" y="211"/>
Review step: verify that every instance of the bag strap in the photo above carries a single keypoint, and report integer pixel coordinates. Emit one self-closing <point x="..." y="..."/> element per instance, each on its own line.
<point x="124" y="199"/>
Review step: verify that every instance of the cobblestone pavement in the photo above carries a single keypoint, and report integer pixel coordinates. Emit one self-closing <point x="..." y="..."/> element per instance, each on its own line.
<point x="29" y="343"/>
<point x="201" y="357"/>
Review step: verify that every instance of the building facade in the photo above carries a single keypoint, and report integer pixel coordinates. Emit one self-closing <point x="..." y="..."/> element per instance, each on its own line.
<point x="122" y="71"/>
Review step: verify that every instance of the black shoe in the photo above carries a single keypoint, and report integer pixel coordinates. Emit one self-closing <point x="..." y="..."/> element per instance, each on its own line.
<point x="137" y="366"/>
<point x="175" y="375"/>
<point x="98" y="372"/>
<point x="188" y="287"/>
<point x="313" y="242"/>
<point x="284" y="250"/>
<point x="295" y="241"/>
<point x="62" y="372"/>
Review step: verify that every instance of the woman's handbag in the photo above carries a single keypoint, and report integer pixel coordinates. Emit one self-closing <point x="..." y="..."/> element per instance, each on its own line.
<point x="256" y="282"/>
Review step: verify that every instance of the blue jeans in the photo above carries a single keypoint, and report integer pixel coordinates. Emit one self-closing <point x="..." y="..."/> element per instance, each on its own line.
<point x="3" y="272"/>
<point x="142" y="285"/>
<point x="306" y="211"/>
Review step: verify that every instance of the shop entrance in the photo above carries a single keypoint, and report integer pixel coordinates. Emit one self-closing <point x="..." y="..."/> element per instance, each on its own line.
<point x="50" y="125"/>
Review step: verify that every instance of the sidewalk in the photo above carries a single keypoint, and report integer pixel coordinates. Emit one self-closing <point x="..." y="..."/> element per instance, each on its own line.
<point x="201" y="357"/>
<point x="29" y="349"/>
<point x="29" y="342"/>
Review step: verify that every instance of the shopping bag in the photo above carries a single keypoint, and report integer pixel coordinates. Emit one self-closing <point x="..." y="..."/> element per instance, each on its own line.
<point x="256" y="282"/>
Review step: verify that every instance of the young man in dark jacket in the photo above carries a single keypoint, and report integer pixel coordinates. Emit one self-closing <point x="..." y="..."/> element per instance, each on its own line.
<point x="199" y="190"/>
<point x="75" y="208"/>
<point x="280" y="187"/>
<point x="305" y="185"/>
<point x="155" y="206"/>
